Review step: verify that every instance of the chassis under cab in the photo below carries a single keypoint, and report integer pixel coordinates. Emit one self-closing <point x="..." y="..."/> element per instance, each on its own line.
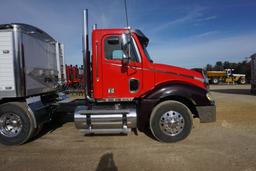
<point x="170" y="120"/>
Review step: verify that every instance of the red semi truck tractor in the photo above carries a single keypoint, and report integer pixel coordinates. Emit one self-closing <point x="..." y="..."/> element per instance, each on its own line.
<point x="126" y="90"/>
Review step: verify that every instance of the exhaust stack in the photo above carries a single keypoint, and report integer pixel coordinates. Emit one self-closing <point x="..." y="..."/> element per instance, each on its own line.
<point x="94" y="27"/>
<point x="86" y="57"/>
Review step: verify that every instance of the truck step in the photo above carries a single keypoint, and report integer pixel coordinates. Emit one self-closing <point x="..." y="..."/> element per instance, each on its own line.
<point x="123" y="130"/>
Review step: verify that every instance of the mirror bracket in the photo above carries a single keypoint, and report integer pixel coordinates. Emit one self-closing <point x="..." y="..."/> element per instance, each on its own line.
<point x="126" y="47"/>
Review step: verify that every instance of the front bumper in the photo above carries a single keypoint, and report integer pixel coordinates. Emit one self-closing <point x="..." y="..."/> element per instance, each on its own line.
<point x="206" y="113"/>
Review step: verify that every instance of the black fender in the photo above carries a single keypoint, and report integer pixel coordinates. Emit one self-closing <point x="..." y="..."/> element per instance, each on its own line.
<point x="195" y="94"/>
<point x="188" y="94"/>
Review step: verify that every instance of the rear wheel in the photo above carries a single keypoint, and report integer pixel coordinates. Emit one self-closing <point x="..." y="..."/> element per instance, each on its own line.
<point x="171" y="121"/>
<point x="242" y="81"/>
<point x="15" y="125"/>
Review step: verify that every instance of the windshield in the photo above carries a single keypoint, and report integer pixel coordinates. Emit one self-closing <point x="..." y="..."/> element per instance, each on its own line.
<point x="146" y="53"/>
<point x="144" y="42"/>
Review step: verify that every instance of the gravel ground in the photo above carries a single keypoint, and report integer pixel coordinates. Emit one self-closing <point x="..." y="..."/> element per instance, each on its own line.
<point x="228" y="144"/>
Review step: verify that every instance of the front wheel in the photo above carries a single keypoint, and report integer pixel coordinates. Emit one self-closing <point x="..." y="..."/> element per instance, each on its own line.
<point x="171" y="121"/>
<point x="215" y="80"/>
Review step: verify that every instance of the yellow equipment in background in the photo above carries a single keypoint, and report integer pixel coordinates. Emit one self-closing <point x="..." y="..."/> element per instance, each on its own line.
<point x="226" y="76"/>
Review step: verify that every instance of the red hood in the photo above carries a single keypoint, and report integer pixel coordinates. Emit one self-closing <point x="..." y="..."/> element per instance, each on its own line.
<point x="177" y="70"/>
<point x="172" y="73"/>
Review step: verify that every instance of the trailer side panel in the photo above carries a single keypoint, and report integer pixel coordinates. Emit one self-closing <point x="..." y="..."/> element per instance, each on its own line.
<point x="7" y="81"/>
<point x="41" y="65"/>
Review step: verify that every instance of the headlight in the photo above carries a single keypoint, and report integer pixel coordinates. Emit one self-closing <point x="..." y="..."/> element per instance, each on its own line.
<point x="209" y="97"/>
<point x="205" y="79"/>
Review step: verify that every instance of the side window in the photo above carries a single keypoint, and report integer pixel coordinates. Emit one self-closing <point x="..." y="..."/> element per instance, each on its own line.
<point x="113" y="50"/>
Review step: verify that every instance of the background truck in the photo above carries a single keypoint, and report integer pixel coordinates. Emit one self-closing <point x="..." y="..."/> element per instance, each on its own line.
<point x="124" y="90"/>
<point x="253" y="73"/>
<point x="226" y="76"/>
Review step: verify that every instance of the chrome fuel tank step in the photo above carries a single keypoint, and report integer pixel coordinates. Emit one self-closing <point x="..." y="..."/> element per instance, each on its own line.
<point x="105" y="121"/>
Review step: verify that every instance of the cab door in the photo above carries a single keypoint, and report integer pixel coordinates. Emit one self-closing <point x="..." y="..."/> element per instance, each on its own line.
<point x="120" y="81"/>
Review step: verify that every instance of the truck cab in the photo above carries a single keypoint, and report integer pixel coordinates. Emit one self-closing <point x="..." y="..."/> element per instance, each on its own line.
<point x="134" y="71"/>
<point x="126" y="90"/>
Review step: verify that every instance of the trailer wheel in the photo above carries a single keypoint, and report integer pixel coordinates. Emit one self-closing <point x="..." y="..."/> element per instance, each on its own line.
<point x="215" y="80"/>
<point x="242" y="81"/>
<point x="171" y="121"/>
<point x="15" y="125"/>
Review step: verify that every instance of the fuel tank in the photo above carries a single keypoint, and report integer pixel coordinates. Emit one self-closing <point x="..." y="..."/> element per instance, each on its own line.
<point x="93" y="121"/>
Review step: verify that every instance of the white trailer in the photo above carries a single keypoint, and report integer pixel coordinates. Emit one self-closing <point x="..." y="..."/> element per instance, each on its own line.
<point x="30" y="69"/>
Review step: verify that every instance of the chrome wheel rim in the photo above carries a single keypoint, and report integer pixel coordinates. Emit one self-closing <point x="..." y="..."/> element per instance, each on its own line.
<point x="172" y="123"/>
<point x="10" y="124"/>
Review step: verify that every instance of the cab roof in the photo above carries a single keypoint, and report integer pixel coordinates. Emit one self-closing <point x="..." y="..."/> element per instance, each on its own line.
<point x="144" y="39"/>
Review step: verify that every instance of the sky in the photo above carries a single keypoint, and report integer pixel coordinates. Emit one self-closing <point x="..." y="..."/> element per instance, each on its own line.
<point x="183" y="33"/>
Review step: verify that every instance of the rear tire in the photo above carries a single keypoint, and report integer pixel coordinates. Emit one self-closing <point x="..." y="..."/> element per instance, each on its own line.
<point x="171" y="121"/>
<point x="242" y="81"/>
<point x="15" y="125"/>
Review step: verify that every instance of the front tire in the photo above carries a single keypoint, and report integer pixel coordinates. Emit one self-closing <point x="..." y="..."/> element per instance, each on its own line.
<point x="15" y="125"/>
<point x="171" y="121"/>
<point x="215" y="80"/>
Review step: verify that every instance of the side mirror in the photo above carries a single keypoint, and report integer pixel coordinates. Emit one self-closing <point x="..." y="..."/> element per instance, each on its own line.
<point x="126" y="47"/>
<point x="125" y="60"/>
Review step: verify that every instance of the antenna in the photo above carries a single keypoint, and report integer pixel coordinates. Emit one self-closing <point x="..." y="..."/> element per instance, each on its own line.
<point x="126" y="15"/>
